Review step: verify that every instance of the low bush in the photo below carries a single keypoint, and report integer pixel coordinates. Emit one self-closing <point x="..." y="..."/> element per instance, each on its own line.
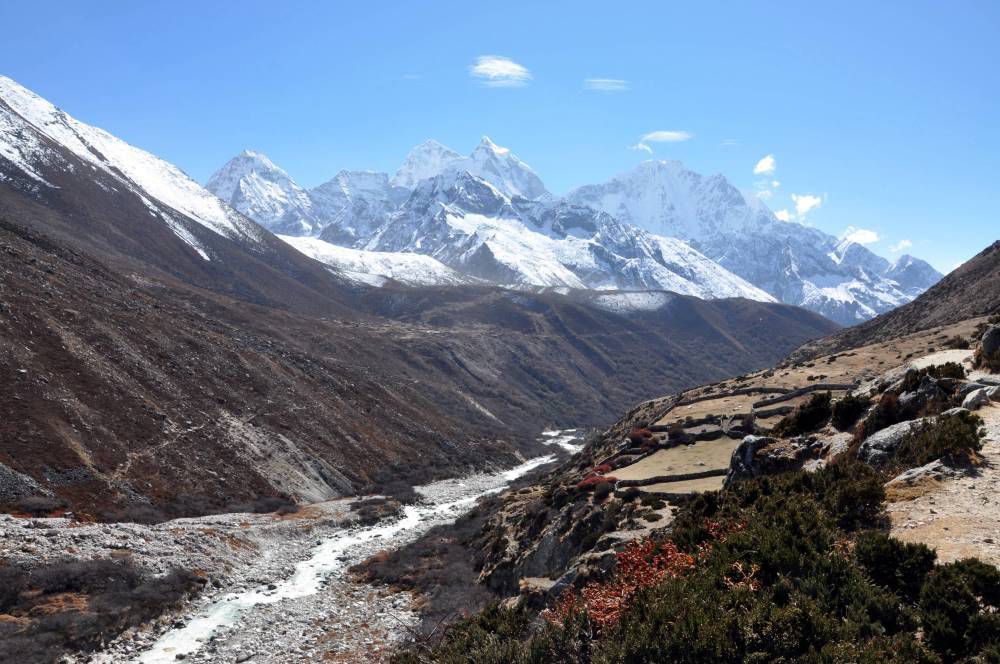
<point x="957" y="343"/>
<point x="959" y="607"/>
<point x="885" y="413"/>
<point x="756" y="574"/>
<point x="914" y="377"/>
<point x="115" y="596"/>
<point x="591" y="481"/>
<point x="601" y="491"/>
<point x="849" y="410"/>
<point x="640" y="435"/>
<point x="955" y="436"/>
<point x="808" y="417"/>
<point x="898" y="566"/>
<point x="39" y="506"/>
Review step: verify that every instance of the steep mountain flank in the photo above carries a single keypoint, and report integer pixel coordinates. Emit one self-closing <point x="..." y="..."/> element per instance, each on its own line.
<point x="128" y="387"/>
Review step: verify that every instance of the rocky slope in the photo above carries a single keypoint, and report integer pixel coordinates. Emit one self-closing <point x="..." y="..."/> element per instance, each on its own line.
<point x="898" y="405"/>
<point x="972" y="289"/>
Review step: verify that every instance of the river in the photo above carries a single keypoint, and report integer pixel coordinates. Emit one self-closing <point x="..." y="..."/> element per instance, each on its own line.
<point x="231" y="624"/>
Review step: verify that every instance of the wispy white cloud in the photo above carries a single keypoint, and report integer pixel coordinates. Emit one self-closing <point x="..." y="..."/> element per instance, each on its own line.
<point x="806" y="202"/>
<point x="783" y="215"/>
<point x="412" y="77"/>
<point x="766" y="166"/>
<point x="666" y="136"/>
<point x="606" y="84"/>
<point x="497" y="71"/>
<point x="766" y="188"/>
<point x="900" y="246"/>
<point x="661" y="136"/>
<point x="729" y="142"/>
<point x="860" y="235"/>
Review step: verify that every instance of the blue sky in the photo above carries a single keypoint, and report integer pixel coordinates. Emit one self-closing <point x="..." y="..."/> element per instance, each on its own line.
<point x="879" y="116"/>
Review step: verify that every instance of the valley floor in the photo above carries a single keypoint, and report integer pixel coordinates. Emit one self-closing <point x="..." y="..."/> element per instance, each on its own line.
<point x="279" y="588"/>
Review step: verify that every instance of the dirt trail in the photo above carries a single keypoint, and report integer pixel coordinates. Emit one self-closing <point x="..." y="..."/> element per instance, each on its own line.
<point x="959" y="517"/>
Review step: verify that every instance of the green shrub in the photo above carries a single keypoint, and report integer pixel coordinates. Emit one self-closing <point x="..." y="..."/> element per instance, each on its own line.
<point x="895" y="565"/>
<point x="958" y="608"/>
<point x="953" y="436"/>
<point x="913" y="377"/>
<point x="601" y="491"/>
<point x="808" y="417"/>
<point x="885" y="413"/>
<point x="849" y="410"/>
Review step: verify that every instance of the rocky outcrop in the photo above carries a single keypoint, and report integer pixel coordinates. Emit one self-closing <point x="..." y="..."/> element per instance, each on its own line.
<point x="977" y="399"/>
<point x="935" y="470"/>
<point x="988" y="353"/>
<point x="879" y="447"/>
<point x="763" y="455"/>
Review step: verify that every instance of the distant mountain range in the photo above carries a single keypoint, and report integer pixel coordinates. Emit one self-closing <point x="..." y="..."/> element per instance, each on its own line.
<point x="489" y="217"/>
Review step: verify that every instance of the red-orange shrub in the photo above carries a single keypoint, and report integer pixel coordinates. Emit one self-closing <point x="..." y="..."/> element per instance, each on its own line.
<point x="592" y="480"/>
<point x="640" y="565"/>
<point x="639" y="436"/>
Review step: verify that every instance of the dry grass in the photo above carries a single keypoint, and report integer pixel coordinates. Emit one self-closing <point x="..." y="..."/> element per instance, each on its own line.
<point x="687" y="486"/>
<point x="680" y="460"/>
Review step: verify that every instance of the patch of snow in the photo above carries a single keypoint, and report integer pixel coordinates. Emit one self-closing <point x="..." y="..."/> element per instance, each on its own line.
<point x="375" y="267"/>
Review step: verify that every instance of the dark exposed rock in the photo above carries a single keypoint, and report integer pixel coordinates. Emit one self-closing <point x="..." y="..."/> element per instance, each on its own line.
<point x="989" y="348"/>
<point x="763" y="455"/>
<point x="879" y="447"/>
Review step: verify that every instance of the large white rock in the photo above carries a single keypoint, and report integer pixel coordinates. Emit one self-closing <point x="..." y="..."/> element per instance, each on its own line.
<point x="881" y="445"/>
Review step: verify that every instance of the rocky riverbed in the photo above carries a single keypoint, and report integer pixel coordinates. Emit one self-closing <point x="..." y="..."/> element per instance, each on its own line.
<point x="278" y="588"/>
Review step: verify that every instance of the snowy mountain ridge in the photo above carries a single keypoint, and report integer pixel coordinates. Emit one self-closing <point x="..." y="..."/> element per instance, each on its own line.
<point x="134" y="168"/>
<point x="481" y="214"/>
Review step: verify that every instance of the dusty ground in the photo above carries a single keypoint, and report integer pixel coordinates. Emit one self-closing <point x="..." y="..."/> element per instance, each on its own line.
<point x="959" y="517"/>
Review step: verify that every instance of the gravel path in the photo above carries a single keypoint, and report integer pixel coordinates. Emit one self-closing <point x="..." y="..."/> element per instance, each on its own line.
<point x="959" y="517"/>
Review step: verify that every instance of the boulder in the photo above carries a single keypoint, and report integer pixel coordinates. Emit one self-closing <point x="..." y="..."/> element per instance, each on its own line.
<point x="836" y="445"/>
<point x="976" y="400"/>
<point x="742" y="464"/>
<point x="968" y="388"/>
<point x="935" y="470"/>
<point x="879" y="447"/>
<point x="954" y="411"/>
<point x="761" y="455"/>
<point x="989" y="348"/>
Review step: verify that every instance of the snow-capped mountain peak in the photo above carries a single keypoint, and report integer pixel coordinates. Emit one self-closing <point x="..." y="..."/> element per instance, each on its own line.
<point x="258" y="188"/>
<point x="497" y="165"/>
<point x="501" y="168"/>
<point x="486" y="144"/>
<point x="798" y="264"/>
<point x="424" y="161"/>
